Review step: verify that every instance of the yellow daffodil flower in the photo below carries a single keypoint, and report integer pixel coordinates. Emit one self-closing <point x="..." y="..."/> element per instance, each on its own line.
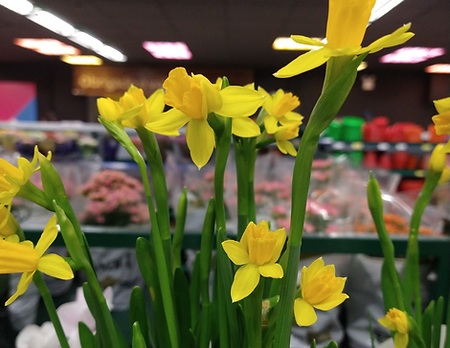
<point x="319" y="289"/>
<point x="9" y="223"/>
<point x="279" y="108"/>
<point x="442" y="119"/>
<point x="346" y="27"/>
<point x="438" y="158"/>
<point x="127" y="107"/>
<point x="23" y="258"/>
<point x="193" y="98"/>
<point x="257" y="253"/>
<point x="397" y="321"/>
<point x="283" y="135"/>
<point x="13" y="178"/>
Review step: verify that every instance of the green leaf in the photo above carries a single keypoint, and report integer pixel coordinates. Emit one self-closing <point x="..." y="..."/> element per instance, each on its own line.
<point x="427" y="321"/>
<point x="87" y="338"/>
<point x="183" y="308"/>
<point x="180" y="223"/>
<point x="390" y="280"/>
<point x="437" y="321"/>
<point x="138" y="340"/>
<point x="138" y="313"/>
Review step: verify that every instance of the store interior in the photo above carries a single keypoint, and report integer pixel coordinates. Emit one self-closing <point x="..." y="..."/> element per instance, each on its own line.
<point x="384" y="127"/>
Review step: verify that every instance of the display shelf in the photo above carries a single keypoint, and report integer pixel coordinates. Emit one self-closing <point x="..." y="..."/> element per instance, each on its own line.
<point x="435" y="248"/>
<point x="412" y="148"/>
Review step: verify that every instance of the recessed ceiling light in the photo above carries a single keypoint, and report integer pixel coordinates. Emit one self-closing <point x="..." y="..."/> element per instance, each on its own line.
<point x="438" y="69"/>
<point x="283" y="43"/>
<point x="168" y="50"/>
<point x="82" y="60"/>
<point x="412" y="55"/>
<point x="49" y="47"/>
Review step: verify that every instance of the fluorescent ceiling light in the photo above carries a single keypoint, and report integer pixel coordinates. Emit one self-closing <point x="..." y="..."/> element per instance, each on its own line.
<point x="82" y="60"/>
<point x="61" y="27"/>
<point x="51" y="22"/>
<point x="48" y="47"/>
<point x="22" y="7"/>
<point x="382" y="7"/>
<point x="287" y="44"/>
<point x="438" y="69"/>
<point x="86" y="40"/>
<point x="412" y="55"/>
<point x="168" y="50"/>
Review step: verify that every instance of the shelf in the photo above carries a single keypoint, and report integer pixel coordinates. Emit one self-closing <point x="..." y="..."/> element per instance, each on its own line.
<point x="419" y="148"/>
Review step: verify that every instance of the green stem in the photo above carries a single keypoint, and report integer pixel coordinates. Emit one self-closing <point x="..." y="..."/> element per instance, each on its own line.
<point x="252" y="312"/>
<point x="153" y="154"/>
<point x="228" y="327"/>
<point x="164" y="272"/>
<point x="245" y="155"/>
<point x="412" y="253"/>
<point x="51" y="309"/>
<point x="300" y="189"/>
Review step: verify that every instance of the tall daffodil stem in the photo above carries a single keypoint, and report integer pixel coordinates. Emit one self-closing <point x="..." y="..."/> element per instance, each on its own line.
<point x="339" y="79"/>
<point x="51" y="309"/>
<point x="252" y="312"/>
<point x="163" y="269"/>
<point x="300" y="188"/>
<point x="245" y="157"/>
<point x="227" y="328"/>
<point x="412" y="254"/>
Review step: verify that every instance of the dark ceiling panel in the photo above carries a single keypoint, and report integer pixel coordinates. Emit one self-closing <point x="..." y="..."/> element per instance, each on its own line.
<point x="230" y="33"/>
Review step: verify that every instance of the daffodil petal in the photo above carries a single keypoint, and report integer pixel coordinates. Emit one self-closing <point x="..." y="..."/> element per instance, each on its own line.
<point x="200" y="140"/>
<point x="22" y="286"/>
<point x="304" y="313"/>
<point x="286" y="147"/>
<point x="55" y="266"/>
<point x="387" y="324"/>
<point x="331" y="302"/>
<point x="305" y="40"/>
<point x="47" y="237"/>
<point x="281" y="239"/>
<point x="235" y="251"/>
<point x="240" y="101"/>
<point x="304" y="62"/>
<point x="273" y="270"/>
<point x="442" y="105"/>
<point x="245" y="127"/>
<point x="168" y="123"/>
<point x="401" y="340"/>
<point x="154" y="105"/>
<point x="245" y="281"/>
<point x="271" y="124"/>
<point x="398" y="37"/>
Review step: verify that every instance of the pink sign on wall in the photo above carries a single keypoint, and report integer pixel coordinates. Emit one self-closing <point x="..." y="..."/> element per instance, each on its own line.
<point x="18" y="101"/>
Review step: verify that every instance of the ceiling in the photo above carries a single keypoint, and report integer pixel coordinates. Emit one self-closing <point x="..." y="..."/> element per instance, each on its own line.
<point x="231" y="33"/>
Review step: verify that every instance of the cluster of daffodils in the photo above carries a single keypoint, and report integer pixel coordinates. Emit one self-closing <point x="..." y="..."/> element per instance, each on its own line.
<point x="18" y="255"/>
<point x="194" y="99"/>
<point x="255" y="293"/>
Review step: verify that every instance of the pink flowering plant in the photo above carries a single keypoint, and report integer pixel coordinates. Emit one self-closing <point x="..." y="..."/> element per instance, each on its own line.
<point x="114" y="198"/>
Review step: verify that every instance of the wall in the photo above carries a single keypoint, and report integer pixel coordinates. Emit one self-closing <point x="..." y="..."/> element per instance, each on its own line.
<point x="403" y="94"/>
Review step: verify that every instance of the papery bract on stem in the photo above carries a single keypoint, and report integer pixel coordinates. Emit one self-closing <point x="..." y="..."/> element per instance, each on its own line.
<point x="257" y="253"/>
<point x="346" y="27"/>
<point x="24" y="258"/>
<point x="319" y="289"/>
